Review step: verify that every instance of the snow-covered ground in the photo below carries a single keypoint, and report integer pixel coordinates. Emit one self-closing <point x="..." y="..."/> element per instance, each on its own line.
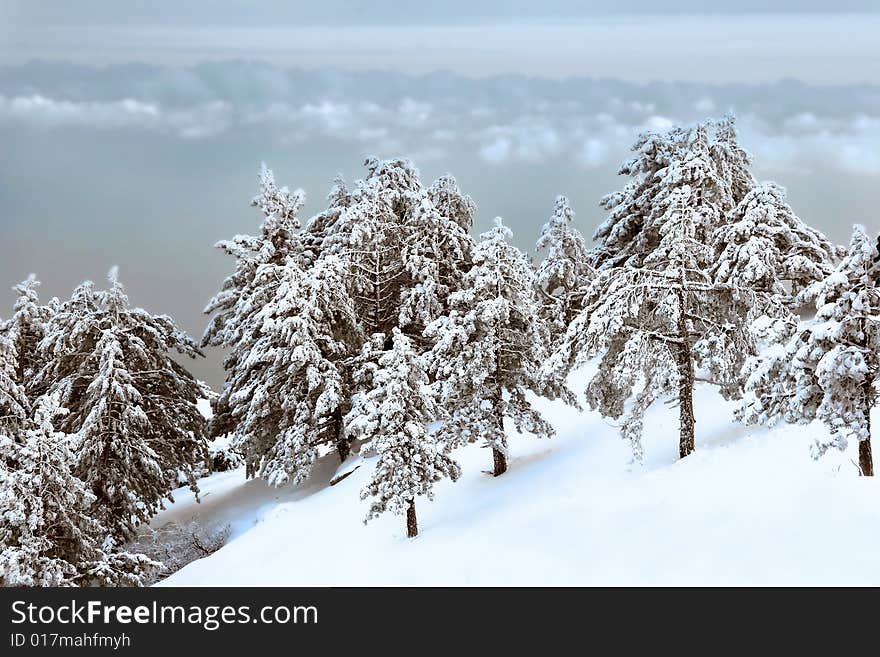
<point x="749" y="507"/>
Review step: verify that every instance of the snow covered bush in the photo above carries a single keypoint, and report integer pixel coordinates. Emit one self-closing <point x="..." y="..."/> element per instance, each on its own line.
<point x="174" y="545"/>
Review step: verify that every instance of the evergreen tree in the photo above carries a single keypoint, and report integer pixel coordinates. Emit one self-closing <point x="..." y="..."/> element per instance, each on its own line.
<point x="286" y="396"/>
<point x="132" y="405"/>
<point x="489" y="350"/>
<point x="829" y="368"/>
<point x="763" y="244"/>
<point x="565" y="269"/>
<point x="47" y="531"/>
<point x="14" y="403"/>
<point x="655" y="324"/>
<point x="732" y="161"/>
<point x="26" y="327"/>
<point x="392" y="417"/>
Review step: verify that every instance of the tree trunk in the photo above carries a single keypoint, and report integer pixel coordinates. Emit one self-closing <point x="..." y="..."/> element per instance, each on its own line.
<point x="685" y="384"/>
<point x="500" y="462"/>
<point x="412" y="525"/>
<point x="866" y="461"/>
<point x="343" y="447"/>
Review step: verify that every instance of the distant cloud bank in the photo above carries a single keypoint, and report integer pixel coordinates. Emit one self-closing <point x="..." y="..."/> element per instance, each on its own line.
<point x="502" y="121"/>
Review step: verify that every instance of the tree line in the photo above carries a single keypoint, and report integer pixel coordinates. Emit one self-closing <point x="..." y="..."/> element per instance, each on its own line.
<point x="381" y="326"/>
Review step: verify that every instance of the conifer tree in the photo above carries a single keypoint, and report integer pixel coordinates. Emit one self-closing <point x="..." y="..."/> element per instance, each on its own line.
<point x="392" y="418"/>
<point x="763" y="244"/>
<point x="564" y="270"/>
<point x="26" y="328"/>
<point x="47" y="532"/>
<point x="489" y="350"/>
<point x="131" y="404"/>
<point x="828" y="369"/>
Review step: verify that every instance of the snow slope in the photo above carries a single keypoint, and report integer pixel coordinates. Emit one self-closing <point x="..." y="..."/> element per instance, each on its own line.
<point x="749" y="507"/>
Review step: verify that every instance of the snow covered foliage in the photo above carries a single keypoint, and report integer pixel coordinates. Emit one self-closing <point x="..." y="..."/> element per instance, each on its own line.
<point x="658" y="325"/>
<point x="286" y="394"/>
<point x="829" y="368"/>
<point x="289" y="323"/>
<point x="564" y="270"/>
<point x="489" y="350"/>
<point x="705" y="156"/>
<point x="392" y="419"/>
<point x="405" y="246"/>
<point x="131" y="405"/>
<point x="47" y="532"/>
<point x="14" y="403"/>
<point x="763" y="245"/>
<point x="26" y="327"/>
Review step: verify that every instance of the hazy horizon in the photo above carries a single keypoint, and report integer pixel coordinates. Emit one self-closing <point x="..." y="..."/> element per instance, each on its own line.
<point x="133" y="132"/>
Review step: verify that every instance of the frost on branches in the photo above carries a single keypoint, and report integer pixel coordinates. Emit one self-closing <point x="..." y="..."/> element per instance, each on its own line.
<point x="48" y="534"/>
<point x="829" y="369"/>
<point x="564" y="270"/>
<point x="131" y="405"/>
<point x="392" y="417"/>
<point x="489" y="350"/>
<point x="25" y="329"/>
<point x="661" y="320"/>
<point x="763" y="245"/>
<point x="289" y="323"/>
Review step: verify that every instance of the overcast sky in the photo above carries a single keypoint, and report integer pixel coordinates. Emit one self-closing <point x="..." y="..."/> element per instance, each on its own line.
<point x="633" y="40"/>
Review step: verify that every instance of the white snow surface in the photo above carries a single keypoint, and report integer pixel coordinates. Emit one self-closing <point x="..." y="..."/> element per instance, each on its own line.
<point x="749" y="507"/>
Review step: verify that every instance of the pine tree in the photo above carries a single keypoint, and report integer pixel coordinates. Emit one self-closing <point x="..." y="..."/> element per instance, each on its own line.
<point x="732" y="161"/>
<point x="654" y="325"/>
<point x="829" y="368"/>
<point x="14" y="403"/>
<point x="48" y="534"/>
<point x="26" y="327"/>
<point x="392" y="417"/>
<point x="489" y="350"/>
<point x="564" y="270"/>
<point x="286" y="396"/>
<point x="132" y="405"/>
<point x="763" y="244"/>
<point x="242" y="297"/>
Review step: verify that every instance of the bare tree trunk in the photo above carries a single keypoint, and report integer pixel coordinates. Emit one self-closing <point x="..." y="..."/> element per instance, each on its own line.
<point x="343" y="448"/>
<point x="499" y="462"/>
<point x="866" y="461"/>
<point x="412" y="525"/>
<point x="685" y="383"/>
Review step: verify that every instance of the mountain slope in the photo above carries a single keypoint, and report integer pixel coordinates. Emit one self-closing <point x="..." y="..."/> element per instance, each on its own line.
<point x="749" y="507"/>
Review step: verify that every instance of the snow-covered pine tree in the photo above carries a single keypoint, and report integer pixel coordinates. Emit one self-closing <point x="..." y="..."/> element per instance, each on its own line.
<point x="829" y="368"/>
<point x="406" y="247"/>
<point x="436" y="255"/>
<point x="654" y="325"/>
<point x="286" y="396"/>
<point x="625" y="235"/>
<point x="47" y="531"/>
<point x="392" y="417"/>
<point x="14" y="403"/>
<point x="763" y="244"/>
<point x="489" y="350"/>
<point x="131" y="404"/>
<point x="564" y="270"/>
<point x="26" y="328"/>
<point x="241" y="297"/>
<point x="732" y="161"/>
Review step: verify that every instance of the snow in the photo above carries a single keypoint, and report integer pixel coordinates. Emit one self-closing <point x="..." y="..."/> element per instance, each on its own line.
<point x="749" y="507"/>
